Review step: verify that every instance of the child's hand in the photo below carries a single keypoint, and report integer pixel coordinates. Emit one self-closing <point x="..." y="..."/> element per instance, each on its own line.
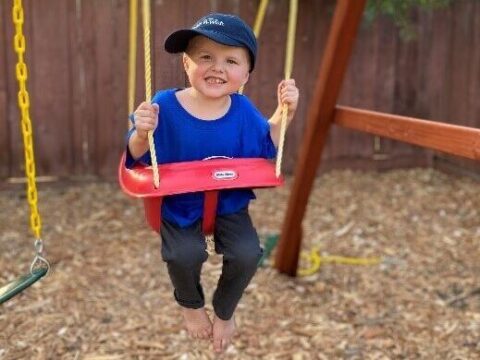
<point x="146" y="119"/>
<point x="287" y="93"/>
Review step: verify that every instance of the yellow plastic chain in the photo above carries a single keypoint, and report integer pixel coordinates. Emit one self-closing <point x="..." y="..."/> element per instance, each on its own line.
<point x="316" y="260"/>
<point x="24" y="105"/>
<point x="148" y="85"/>
<point x="21" y="73"/>
<point x="292" y="24"/>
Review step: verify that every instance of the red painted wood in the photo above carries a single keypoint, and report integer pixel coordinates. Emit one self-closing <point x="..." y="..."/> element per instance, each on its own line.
<point x="329" y="80"/>
<point x="451" y="139"/>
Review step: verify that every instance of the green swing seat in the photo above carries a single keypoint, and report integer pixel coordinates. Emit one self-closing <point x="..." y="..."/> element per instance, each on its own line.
<point x="21" y="283"/>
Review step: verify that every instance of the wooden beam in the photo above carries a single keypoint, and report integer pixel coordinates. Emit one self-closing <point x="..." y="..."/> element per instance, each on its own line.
<point x="347" y="16"/>
<point x="451" y="139"/>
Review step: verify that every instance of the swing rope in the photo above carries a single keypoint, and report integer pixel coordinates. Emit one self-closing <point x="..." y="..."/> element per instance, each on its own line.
<point x="316" y="260"/>
<point x="289" y="57"/>
<point x="132" y="59"/>
<point x="262" y="9"/>
<point x="289" y="53"/>
<point x="39" y="266"/>
<point x="146" y="15"/>
<point x="257" y="27"/>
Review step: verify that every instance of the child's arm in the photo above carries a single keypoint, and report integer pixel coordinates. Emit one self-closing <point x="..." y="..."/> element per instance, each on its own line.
<point x="287" y="93"/>
<point x="146" y="119"/>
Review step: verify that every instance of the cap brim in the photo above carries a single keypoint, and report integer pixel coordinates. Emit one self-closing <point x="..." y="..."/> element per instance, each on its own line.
<point x="178" y="41"/>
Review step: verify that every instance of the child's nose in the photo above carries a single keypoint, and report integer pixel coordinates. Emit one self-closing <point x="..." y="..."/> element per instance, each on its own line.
<point x="217" y="66"/>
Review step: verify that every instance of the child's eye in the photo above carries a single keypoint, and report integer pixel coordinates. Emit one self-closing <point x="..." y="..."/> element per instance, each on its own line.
<point x="205" y="57"/>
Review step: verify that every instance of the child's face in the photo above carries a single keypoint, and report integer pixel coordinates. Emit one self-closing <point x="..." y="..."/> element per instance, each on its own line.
<point x="213" y="69"/>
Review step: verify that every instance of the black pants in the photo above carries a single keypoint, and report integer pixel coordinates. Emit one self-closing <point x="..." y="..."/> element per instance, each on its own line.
<point x="184" y="251"/>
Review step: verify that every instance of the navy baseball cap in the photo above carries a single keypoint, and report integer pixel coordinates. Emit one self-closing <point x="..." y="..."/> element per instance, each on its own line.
<point x="225" y="29"/>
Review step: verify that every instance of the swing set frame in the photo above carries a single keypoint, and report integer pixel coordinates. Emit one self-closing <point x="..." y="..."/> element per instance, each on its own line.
<point x="323" y="112"/>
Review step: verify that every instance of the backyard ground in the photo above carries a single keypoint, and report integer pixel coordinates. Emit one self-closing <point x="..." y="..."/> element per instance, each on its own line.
<point x="108" y="296"/>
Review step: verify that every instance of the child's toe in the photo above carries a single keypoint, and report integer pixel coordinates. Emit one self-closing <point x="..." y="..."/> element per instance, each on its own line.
<point x="217" y="345"/>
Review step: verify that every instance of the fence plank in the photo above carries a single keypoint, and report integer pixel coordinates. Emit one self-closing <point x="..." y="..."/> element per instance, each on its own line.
<point x="5" y="155"/>
<point x="47" y="59"/>
<point x="169" y="15"/>
<point x="463" y="81"/>
<point x="82" y="72"/>
<point x="111" y="34"/>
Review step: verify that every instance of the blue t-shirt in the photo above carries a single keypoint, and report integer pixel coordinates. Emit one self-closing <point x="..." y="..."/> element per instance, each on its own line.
<point x="243" y="132"/>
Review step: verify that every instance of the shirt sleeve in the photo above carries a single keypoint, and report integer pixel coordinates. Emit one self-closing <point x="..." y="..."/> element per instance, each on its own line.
<point x="269" y="151"/>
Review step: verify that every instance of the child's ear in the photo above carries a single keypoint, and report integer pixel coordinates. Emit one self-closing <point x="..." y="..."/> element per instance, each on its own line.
<point x="185" y="61"/>
<point x="247" y="76"/>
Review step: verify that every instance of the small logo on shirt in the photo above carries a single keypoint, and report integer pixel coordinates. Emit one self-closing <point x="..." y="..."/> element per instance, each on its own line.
<point x="224" y="175"/>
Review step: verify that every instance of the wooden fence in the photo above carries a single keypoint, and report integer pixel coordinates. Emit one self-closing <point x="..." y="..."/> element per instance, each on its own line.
<point x="77" y="54"/>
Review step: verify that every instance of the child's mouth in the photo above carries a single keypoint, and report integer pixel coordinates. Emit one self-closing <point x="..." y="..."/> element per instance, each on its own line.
<point x="215" y="81"/>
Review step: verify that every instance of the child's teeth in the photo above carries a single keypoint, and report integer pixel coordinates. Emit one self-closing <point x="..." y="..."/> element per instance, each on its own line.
<point x="215" y="81"/>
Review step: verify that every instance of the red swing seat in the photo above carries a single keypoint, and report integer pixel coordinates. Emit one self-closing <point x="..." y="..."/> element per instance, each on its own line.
<point x="209" y="176"/>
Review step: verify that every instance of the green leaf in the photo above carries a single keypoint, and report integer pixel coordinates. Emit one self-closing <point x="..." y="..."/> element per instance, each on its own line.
<point x="400" y="11"/>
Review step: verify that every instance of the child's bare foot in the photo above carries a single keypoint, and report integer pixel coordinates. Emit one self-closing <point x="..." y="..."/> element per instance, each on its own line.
<point x="223" y="331"/>
<point x="198" y="323"/>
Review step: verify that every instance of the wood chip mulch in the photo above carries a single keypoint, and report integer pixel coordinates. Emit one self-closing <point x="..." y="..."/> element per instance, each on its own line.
<point x="108" y="296"/>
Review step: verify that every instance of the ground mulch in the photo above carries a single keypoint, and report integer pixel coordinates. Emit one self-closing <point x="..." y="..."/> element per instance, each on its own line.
<point x="108" y="296"/>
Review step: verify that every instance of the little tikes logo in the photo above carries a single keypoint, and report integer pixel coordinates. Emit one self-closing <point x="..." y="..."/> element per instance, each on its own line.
<point x="224" y="174"/>
<point x="208" y="21"/>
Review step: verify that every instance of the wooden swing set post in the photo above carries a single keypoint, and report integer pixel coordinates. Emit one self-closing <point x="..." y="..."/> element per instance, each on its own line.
<point x="346" y="19"/>
<point x="451" y="139"/>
